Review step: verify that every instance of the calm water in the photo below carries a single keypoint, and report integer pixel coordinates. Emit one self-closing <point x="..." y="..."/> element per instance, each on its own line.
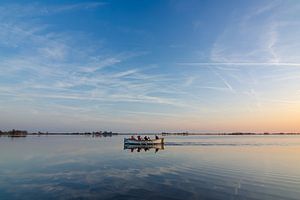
<point x="189" y="167"/>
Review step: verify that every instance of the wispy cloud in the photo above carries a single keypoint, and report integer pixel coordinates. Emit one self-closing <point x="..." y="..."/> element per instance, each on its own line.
<point x="257" y="40"/>
<point x="216" y="88"/>
<point x="54" y="70"/>
<point x="36" y="9"/>
<point x="246" y="64"/>
<point x="222" y="78"/>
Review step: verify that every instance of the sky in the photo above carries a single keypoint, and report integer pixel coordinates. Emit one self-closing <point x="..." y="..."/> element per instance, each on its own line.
<point x="150" y="66"/>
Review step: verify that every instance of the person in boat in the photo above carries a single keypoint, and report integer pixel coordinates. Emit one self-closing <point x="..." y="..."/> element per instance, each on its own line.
<point x="139" y="137"/>
<point x="156" y="137"/>
<point x="132" y="138"/>
<point x="145" y="138"/>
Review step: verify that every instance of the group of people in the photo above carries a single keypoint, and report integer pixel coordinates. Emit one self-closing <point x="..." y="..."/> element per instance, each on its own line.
<point x="145" y="138"/>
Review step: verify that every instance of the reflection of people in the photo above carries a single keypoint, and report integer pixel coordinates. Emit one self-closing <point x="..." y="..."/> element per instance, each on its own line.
<point x="156" y="137"/>
<point x="141" y="148"/>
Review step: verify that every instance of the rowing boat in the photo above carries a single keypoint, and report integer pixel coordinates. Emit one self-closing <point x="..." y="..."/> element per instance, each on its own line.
<point x="143" y="142"/>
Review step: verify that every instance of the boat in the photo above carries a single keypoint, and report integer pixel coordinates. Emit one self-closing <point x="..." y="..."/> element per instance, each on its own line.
<point x="143" y="142"/>
<point x="152" y="146"/>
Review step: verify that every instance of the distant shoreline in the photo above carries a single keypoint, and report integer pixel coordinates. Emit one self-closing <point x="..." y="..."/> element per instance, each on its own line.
<point x="22" y="133"/>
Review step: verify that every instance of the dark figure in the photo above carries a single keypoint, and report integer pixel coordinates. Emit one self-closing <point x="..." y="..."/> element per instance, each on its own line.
<point x="145" y="138"/>
<point x="132" y="137"/>
<point x="139" y="137"/>
<point x="156" y="137"/>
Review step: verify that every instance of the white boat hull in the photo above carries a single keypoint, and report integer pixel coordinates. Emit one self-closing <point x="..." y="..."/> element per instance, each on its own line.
<point x="144" y="142"/>
<point x="137" y="146"/>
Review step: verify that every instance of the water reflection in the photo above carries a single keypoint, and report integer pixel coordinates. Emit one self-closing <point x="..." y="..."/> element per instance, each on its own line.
<point x="77" y="167"/>
<point x="143" y="148"/>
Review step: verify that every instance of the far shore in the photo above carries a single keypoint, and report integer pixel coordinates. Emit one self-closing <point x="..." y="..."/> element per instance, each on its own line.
<point x="23" y="133"/>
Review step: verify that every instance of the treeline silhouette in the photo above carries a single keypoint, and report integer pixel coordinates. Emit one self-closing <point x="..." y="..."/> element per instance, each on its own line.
<point x="14" y="133"/>
<point x="22" y="133"/>
<point x="94" y="133"/>
<point x="234" y="133"/>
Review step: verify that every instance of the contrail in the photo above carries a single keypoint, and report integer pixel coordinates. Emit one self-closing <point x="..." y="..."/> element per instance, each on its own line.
<point x="240" y="64"/>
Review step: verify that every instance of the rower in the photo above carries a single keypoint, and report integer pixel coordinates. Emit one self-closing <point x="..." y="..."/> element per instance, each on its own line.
<point x="132" y="138"/>
<point x="145" y="138"/>
<point x="139" y="137"/>
<point x="156" y="137"/>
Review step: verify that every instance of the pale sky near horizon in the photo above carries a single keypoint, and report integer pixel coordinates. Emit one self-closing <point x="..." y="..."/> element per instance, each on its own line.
<point x="150" y="66"/>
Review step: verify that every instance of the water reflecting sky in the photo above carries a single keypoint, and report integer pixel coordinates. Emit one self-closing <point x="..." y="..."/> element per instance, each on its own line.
<point x="189" y="167"/>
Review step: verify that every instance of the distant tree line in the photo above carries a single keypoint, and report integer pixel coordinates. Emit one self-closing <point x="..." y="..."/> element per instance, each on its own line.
<point x="183" y="133"/>
<point x="100" y="133"/>
<point x="14" y="133"/>
<point x="234" y="133"/>
<point x="22" y="133"/>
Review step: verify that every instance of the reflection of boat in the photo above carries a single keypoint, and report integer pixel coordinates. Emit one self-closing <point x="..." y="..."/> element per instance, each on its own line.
<point x="21" y="135"/>
<point x="144" y="147"/>
<point x="143" y="142"/>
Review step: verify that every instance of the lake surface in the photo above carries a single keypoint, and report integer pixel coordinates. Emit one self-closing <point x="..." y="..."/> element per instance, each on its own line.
<point x="189" y="167"/>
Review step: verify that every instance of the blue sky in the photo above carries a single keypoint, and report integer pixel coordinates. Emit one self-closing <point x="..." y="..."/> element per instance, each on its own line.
<point x="150" y="66"/>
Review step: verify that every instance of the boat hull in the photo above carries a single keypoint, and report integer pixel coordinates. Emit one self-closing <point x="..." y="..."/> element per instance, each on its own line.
<point x="137" y="146"/>
<point x="144" y="142"/>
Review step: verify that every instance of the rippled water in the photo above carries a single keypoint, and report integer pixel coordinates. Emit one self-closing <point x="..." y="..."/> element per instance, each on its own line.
<point x="189" y="167"/>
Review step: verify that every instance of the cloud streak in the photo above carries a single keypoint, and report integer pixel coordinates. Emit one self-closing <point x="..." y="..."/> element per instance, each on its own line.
<point x="246" y="64"/>
<point x="36" y="9"/>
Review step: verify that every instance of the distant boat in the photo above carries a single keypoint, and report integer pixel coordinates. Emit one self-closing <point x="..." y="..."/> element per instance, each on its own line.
<point x="143" y="142"/>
